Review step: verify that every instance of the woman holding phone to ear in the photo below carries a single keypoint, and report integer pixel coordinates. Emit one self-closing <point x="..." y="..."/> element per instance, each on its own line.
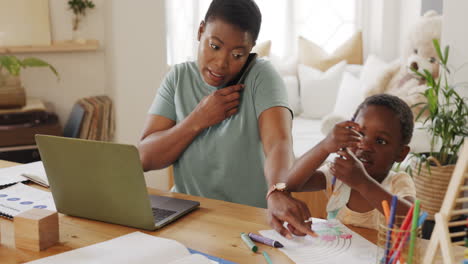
<point x="227" y="142"/>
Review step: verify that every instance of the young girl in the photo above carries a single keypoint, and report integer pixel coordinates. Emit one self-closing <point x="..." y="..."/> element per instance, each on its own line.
<point x="226" y="140"/>
<point x="368" y="146"/>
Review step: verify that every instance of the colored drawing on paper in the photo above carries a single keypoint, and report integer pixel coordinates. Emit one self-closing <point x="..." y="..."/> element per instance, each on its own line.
<point x="335" y="244"/>
<point x="330" y="230"/>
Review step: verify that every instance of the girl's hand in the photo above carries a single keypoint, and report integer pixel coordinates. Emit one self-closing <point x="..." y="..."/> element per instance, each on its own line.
<point x="342" y="136"/>
<point x="350" y="171"/>
<point x="217" y="106"/>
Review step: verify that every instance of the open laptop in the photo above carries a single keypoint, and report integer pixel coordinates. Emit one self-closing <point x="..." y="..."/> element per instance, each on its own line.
<point x="104" y="181"/>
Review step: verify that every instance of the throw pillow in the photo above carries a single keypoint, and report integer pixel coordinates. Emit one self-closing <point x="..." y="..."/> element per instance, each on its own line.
<point x="262" y="49"/>
<point x="318" y="89"/>
<point x="350" y="95"/>
<point x="285" y="66"/>
<point x="373" y="67"/>
<point x="314" y="56"/>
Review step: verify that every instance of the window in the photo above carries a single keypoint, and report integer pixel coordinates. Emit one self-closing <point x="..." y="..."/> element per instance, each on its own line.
<point x="327" y="23"/>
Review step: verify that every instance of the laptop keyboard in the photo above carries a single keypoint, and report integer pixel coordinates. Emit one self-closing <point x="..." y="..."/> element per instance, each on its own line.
<point x="160" y="214"/>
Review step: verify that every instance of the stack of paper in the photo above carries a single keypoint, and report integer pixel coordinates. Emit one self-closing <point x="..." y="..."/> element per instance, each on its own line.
<point x="19" y="198"/>
<point x="98" y="121"/>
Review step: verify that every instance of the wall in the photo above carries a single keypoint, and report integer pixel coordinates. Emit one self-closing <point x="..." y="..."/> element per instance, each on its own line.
<point x="386" y="24"/>
<point x="82" y="73"/>
<point x="455" y="34"/>
<point x="128" y="66"/>
<point x="135" y="63"/>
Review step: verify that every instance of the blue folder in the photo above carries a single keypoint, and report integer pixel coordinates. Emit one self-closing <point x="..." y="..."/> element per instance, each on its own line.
<point x="219" y="260"/>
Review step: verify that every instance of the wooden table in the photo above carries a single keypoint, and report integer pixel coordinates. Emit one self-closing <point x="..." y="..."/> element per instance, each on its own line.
<point x="213" y="229"/>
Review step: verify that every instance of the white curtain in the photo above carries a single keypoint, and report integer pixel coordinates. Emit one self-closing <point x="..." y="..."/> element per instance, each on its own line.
<point x="327" y="23"/>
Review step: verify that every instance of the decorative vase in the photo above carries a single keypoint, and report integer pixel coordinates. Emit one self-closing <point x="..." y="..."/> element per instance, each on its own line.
<point x="12" y="94"/>
<point x="77" y="37"/>
<point x="77" y="34"/>
<point x="431" y="186"/>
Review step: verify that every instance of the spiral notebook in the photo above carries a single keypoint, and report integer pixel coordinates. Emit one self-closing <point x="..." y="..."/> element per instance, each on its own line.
<point x="20" y="197"/>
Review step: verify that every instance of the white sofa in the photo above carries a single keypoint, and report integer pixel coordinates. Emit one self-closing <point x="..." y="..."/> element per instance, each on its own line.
<point x="315" y="96"/>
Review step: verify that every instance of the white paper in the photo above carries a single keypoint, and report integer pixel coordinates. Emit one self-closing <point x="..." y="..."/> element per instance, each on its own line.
<point x="35" y="172"/>
<point x="315" y="250"/>
<point x="136" y="247"/>
<point x="19" y="198"/>
<point x="12" y="174"/>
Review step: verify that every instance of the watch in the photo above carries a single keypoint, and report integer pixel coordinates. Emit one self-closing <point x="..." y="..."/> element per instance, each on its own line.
<point x="281" y="187"/>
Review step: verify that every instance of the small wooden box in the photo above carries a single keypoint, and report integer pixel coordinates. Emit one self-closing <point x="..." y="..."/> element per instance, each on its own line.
<point x="36" y="229"/>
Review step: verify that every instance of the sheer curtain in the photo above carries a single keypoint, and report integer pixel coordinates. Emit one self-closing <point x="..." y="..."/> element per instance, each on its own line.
<point x="327" y="23"/>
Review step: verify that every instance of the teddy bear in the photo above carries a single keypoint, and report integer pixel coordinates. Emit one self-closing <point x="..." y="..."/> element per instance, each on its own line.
<point x="419" y="54"/>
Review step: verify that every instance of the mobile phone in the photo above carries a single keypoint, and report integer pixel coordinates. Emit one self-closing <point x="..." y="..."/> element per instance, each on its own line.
<point x="240" y="78"/>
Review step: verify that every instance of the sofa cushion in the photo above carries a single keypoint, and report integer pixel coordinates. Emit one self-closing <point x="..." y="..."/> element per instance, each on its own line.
<point x="262" y="49"/>
<point x="373" y="67"/>
<point x="312" y="55"/>
<point x="318" y="89"/>
<point x="350" y="95"/>
<point x="306" y="134"/>
<point x="292" y="88"/>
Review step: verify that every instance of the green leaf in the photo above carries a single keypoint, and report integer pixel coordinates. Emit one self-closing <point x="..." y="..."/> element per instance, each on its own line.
<point x="34" y="62"/>
<point x="447" y="48"/>
<point x="438" y="50"/>
<point x="11" y="64"/>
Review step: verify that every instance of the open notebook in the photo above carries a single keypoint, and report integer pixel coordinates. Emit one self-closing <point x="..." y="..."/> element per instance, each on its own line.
<point x="135" y="247"/>
<point x="33" y="171"/>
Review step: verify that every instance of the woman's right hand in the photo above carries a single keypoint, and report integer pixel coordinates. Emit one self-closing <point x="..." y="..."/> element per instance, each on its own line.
<point x="342" y="136"/>
<point x="217" y="106"/>
<point x="284" y="208"/>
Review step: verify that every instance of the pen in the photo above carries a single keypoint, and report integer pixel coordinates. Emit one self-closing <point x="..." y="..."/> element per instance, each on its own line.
<point x="354" y="131"/>
<point x="265" y="240"/>
<point x="249" y="242"/>
<point x="267" y="257"/>
<point x="350" y="153"/>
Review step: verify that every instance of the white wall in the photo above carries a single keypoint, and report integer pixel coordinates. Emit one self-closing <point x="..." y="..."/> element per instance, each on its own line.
<point x="128" y="66"/>
<point x="455" y="34"/>
<point x="82" y="73"/>
<point x="385" y="24"/>
<point x="135" y="63"/>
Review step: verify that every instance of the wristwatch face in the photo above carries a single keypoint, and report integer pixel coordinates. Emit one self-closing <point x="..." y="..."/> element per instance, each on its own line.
<point x="280" y="186"/>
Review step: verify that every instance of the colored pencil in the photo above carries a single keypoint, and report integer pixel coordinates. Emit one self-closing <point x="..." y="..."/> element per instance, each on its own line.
<point x="404" y="226"/>
<point x="390" y="226"/>
<point x="386" y="211"/>
<point x="397" y="253"/>
<point x="414" y="229"/>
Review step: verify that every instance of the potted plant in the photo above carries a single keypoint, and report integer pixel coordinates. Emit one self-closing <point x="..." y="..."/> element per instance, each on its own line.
<point x="444" y="115"/>
<point x="79" y="8"/>
<point x="12" y="94"/>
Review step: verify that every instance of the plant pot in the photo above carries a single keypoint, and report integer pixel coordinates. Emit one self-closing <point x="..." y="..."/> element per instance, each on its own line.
<point x="12" y="94"/>
<point x="431" y="187"/>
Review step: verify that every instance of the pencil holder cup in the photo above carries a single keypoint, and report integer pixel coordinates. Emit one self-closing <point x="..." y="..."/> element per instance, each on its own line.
<point x="393" y="243"/>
